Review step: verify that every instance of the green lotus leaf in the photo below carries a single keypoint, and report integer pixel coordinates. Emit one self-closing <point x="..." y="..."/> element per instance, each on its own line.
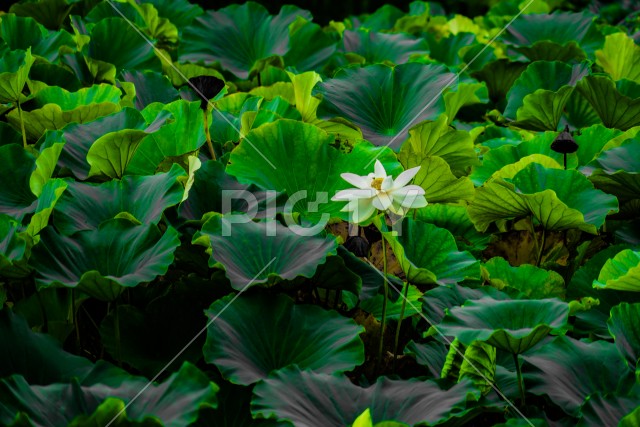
<point x="334" y="348"/>
<point x="38" y="357"/>
<point x="8" y="135"/>
<point x="175" y="402"/>
<point x="621" y="273"/>
<point x="592" y="141"/>
<point x="568" y="371"/>
<point x="51" y="193"/>
<point x="620" y="57"/>
<point x="436" y="138"/>
<point x="57" y="107"/>
<point x="413" y="304"/>
<point x="15" y="248"/>
<point x="558" y="199"/>
<point x="610" y="409"/>
<point x="438" y="301"/>
<point x="15" y="67"/>
<point x="183" y="133"/>
<point x="238" y="36"/>
<point x="579" y="114"/>
<point x="45" y="165"/>
<point x="515" y="157"/>
<point x="180" y="12"/>
<point x="382" y="18"/>
<point x="456" y="220"/>
<point x="16" y="197"/>
<point x="464" y="95"/>
<point x="115" y="41"/>
<point x="440" y="185"/>
<point x="309" y="45"/>
<point x="433" y="258"/>
<point x="499" y="76"/>
<point x="150" y="87"/>
<point x="25" y="32"/>
<point x="299" y="396"/>
<point x="531" y="281"/>
<point x="282" y="253"/>
<point x="431" y="355"/>
<point x="85" y="206"/>
<point x="561" y="28"/>
<point x="511" y="325"/>
<point x="623" y="326"/>
<point x="102" y="262"/>
<point x="364" y="420"/>
<point x="537" y="102"/>
<point x="616" y="171"/>
<point x="211" y="183"/>
<point x="615" y="108"/>
<point x="383" y="101"/>
<point x="293" y="157"/>
<point x="476" y="362"/>
<point x="632" y="419"/>
<point x="50" y="13"/>
<point x="379" y="47"/>
<point x="545" y="50"/>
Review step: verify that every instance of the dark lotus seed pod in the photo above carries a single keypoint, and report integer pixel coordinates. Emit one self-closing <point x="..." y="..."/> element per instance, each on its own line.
<point x="357" y="246"/>
<point x="564" y="143"/>
<point x="206" y="87"/>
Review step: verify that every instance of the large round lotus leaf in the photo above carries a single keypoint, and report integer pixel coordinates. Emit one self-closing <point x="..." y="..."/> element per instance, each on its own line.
<point x="246" y="341"/>
<point x="560" y="28"/>
<point x="558" y="199"/>
<point x="85" y="206"/>
<point x="617" y="107"/>
<point x="55" y="107"/>
<point x="238" y="36"/>
<point x="617" y="171"/>
<point x="182" y="134"/>
<point x="102" y="261"/>
<point x="537" y="102"/>
<point x="620" y="57"/>
<point x="105" y="391"/>
<point x="25" y="32"/>
<point x="16" y="198"/>
<point x="611" y="409"/>
<point x="621" y="273"/>
<point x="568" y="371"/>
<point x="429" y="255"/>
<point x="437" y="301"/>
<point x="38" y="357"/>
<point x="117" y="42"/>
<point x="592" y="141"/>
<point x="309" y="399"/>
<point x="455" y="219"/>
<point x="624" y="326"/>
<point x="379" y="47"/>
<point x="150" y="87"/>
<point x="303" y="162"/>
<point x="15" y="66"/>
<point x="180" y="12"/>
<point x="531" y="281"/>
<point x="511" y="325"/>
<point x="385" y="102"/>
<point x="310" y="47"/>
<point x="440" y="185"/>
<point x="437" y="138"/>
<point x="499" y="76"/>
<point x="261" y="252"/>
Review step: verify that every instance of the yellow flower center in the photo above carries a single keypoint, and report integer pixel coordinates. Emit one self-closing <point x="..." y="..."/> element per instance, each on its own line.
<point x="377" y="183"/>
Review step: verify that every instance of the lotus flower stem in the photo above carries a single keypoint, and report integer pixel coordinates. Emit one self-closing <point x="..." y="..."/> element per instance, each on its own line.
<point x="384" y="303"/>
<point x="207" y="134"/>
<point x="395" y="344"/>
<point x="519" y="377"/>
<point x="24" y="133"/>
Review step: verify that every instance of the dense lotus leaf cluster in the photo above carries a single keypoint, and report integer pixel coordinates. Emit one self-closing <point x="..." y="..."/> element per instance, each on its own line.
<point x="163" y="165"/>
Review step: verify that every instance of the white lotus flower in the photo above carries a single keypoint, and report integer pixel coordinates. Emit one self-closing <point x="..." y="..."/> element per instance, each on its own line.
<point x="379" y="191"/>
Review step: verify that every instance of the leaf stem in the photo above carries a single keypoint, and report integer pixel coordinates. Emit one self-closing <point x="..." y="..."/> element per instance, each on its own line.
<point x="384" y="303"/>
<point x="397" y="341"/>
<point x="208" y="135"/>
<point x="541" y="249"/>
<point x="24" y="133"/>
<point x="519" y="377"/>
